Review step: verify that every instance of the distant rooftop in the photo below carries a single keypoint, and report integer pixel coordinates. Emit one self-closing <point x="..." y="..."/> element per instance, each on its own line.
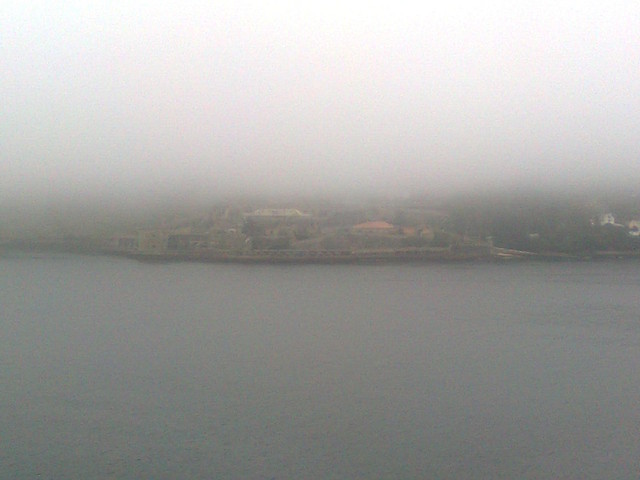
<point x="377" y="225"/>
<point x="277" y="212"/>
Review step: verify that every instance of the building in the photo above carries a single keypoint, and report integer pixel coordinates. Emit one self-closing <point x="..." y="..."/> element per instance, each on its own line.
<point x="124" y="243"/>
<point x="152" y="241"/>
<point x="606" y="219"/>
<point x="374" y="228"/>
<point x="187" y="241"/>
<point x="279" y="223"/>
<point x="280" y="213"/>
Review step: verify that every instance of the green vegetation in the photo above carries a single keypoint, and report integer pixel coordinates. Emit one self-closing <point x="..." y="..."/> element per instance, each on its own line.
<point x="544" y="225"/>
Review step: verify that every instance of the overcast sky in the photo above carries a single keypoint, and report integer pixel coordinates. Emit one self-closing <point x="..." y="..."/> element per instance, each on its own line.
<point x="153" y="98"/>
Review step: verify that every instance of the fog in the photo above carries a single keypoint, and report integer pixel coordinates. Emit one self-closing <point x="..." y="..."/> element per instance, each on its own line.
<point x="133" y="102"/>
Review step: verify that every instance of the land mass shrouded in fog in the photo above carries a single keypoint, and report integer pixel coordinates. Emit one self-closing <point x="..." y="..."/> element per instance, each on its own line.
<point x="506" y="225"/>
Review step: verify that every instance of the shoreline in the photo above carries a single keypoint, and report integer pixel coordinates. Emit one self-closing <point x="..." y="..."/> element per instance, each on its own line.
<point x="470" y="254"/>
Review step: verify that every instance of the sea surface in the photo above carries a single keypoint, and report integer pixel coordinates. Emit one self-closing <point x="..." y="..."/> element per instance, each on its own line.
<point x="113" y="369"/>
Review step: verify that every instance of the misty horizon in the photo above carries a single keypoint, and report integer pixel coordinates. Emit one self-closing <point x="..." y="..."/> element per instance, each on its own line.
<point x="122" y="103"/>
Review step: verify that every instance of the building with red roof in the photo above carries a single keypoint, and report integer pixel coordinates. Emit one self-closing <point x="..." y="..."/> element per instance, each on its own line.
<point x="376" y="227"/>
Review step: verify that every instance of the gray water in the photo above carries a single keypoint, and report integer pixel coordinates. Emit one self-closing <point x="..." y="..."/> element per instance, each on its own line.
<point x="116" y="369"/>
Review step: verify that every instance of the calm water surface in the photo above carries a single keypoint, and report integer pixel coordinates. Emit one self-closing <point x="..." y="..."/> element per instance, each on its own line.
<point x="116" y="369"/>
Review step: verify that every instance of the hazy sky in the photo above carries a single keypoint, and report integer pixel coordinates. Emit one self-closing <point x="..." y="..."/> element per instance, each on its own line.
<point x="154" y="98"/>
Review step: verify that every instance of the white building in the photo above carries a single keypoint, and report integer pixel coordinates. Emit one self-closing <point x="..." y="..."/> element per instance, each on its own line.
<point x="606" y="219"/>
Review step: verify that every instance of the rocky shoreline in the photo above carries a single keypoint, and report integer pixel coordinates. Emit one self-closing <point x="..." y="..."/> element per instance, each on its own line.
<point x="470" y="253"/>
<point x="309" y="257"/>
<point x="370" y="257"/>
